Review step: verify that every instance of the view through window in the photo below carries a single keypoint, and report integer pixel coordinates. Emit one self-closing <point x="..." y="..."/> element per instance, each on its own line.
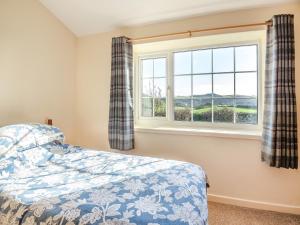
<point x="207" y="85"/>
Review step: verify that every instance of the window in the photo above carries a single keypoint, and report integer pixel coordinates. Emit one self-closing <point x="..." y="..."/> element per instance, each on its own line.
<point x="212" y="86"/>
<point x="154" y="86"/>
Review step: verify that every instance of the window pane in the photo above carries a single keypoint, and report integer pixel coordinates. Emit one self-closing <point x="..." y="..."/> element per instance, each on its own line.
<point x="160" y="67"/>
<point x="182" y="86"/>
<point x="182" y="63"/>
<point x="246" y="111"/>
<point x="246" y="58"/>
<point x="159" y="87"/>
<point x="148" y="68"/>
<point x="202" y="61"/>
<point x="246" y="84"/>
<point x="182" y="111"/>
<point x="202" y="109"/>
<point x="147" y="87"/>
<point x="223" y="60"/>
<point x="223" y="85"/>
<point x="147" y="106"/>
<point x="202" y="86"/>
<point x="160" y="107"/>
<point x="223" y="110"/>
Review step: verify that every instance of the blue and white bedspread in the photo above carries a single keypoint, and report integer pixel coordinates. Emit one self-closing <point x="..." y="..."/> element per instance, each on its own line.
<point x="60" y="184"/>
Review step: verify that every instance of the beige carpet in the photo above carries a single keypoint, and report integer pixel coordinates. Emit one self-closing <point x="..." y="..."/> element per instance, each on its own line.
<point x="220" y="214"/>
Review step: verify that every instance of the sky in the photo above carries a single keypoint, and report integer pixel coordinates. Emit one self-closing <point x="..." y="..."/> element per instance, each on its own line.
<point x="220" y="61"/>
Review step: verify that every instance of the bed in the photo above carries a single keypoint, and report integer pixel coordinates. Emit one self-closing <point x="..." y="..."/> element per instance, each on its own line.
<point x="44" y="181"/>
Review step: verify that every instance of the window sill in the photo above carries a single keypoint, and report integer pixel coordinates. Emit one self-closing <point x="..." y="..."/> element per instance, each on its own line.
<point x="235" y="134"/>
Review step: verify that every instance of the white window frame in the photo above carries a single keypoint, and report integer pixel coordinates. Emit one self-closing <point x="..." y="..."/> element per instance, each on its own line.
<point x="168" y="121"/>
<point x="140" y="85"/>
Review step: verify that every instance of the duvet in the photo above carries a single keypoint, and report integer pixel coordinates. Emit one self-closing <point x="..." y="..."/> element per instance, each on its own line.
<point x="45" y="182"/>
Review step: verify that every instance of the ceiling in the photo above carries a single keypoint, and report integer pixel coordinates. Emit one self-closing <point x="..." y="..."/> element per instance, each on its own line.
<point x="85" y="17"/>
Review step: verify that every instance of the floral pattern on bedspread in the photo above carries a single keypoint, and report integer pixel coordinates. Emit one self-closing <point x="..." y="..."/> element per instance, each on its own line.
<point x="79" y="186"/>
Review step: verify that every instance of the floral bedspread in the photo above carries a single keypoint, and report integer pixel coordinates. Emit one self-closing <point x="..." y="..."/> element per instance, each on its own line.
<point x="65" y="185"/>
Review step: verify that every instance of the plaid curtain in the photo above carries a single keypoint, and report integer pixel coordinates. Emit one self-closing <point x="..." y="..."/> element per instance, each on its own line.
<point x="121" y="126"/>
<point x="280" y="148"/>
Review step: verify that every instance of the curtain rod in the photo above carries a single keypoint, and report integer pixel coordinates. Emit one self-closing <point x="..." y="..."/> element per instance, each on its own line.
<point x="190" y="32"/>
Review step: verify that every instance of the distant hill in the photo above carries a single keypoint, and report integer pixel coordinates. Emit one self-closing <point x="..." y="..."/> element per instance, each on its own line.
<point x="241" y="100"/>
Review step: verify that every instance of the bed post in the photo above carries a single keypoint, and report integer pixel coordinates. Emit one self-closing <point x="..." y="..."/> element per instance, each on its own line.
<point x="49" y="122"/>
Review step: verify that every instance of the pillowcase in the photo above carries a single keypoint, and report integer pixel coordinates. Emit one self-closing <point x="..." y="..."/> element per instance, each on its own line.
<point x="21" y="137"/>
<point x="6" y="144"/>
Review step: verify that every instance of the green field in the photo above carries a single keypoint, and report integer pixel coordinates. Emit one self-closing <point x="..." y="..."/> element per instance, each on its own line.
<point x="221" y="114"/>
<point x="207" y="109"/>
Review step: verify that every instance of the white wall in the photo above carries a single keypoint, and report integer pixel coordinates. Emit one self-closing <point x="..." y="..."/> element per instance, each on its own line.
<point x="37" y="66"/>
<point x="233" y="165"/>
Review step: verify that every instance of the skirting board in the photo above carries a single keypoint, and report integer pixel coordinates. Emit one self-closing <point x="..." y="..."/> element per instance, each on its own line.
<point x="254" y="204"/>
